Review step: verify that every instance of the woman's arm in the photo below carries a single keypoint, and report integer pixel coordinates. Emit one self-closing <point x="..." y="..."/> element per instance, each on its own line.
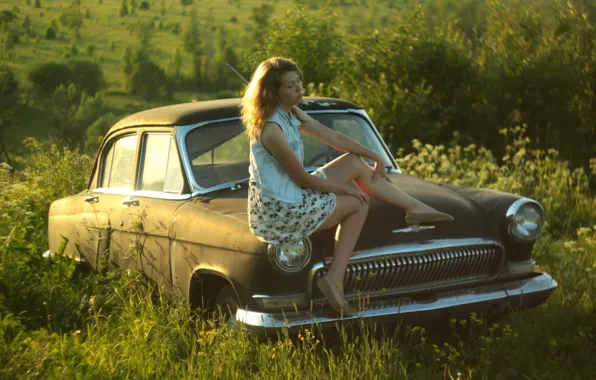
<point x="336" y="140"/>
<point x="339" y="141"/>
<point x="276" y="143"/>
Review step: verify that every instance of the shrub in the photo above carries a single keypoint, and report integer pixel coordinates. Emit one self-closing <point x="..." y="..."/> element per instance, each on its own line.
<point x="51" y="33"/>
<point x="6" y="16"/>
<point x="86" y="75"/>
<point x="46" y="77"/>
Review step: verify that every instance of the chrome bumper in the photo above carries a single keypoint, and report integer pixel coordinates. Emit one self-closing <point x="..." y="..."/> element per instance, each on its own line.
<point x="519" y="294"/>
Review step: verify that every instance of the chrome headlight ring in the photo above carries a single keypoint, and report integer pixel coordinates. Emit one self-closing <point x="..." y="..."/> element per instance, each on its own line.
<point x="525" y="220"/>
<point x="290" y="258"/>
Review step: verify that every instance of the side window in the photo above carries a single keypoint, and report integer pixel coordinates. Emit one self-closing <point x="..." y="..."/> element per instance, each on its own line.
<point x="160" y="167"/>
<point x="118" y="164"/>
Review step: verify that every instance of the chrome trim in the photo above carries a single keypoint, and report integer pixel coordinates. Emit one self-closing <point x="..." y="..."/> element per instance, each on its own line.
<point x="91" y="198"/>
<point x="298" y="299"/>
<point x="272" y="250"/>
<point x="536" y="288"/>
<point x="510" y="218"/>
<point x="518" y="268"/>
<point x="395" y="251"/>
<point x="142" y="193"/>
<point x="412" y="229"/>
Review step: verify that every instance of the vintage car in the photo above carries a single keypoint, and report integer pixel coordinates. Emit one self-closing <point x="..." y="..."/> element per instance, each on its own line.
<point x="168" y="196"/>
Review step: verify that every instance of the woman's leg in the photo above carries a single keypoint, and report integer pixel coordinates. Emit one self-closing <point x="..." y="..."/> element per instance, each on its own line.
<point x="350" y="214"/>
<point x="350" y="167"/>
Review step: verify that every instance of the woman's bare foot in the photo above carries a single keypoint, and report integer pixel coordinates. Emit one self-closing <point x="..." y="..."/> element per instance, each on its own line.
<point x="334" y="295"/>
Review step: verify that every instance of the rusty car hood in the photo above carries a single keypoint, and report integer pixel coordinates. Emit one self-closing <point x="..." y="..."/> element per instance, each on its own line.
<point x="223" y="217"/>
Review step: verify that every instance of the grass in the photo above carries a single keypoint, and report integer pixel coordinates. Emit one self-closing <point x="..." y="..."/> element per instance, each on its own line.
<point x="56" y="322"/>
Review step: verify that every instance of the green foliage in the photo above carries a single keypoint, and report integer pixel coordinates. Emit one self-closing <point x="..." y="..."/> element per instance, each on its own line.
<point x="148" y="80"/>
<point x="47" y="77"/>
<point x="72" y="18"/>
<point x="9" y="89"/>
<point x="50" y="33"/>
<point x="26" y="22"/>
<point x="9" y="104"/>
<point x="74" y="113"/>
<point x="191" y="37"/>
<point x="260" y="18"/>
<point x="312" y="41"/>
<point x="124" y="8"/>
<point x="56" y="322"/>
<point x="538" y="174"/>
<point x="8" y="39"/>
<point x="87" y="77"/>
<point x="7" y="16"/>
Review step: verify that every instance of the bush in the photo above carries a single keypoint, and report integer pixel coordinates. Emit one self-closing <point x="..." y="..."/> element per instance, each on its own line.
<point x="50" y="33"/>
<point x="47" y="77"/>
<point x="87" y="76"/>
<point x="148" y="80"/>
<point x="6" y="16"/>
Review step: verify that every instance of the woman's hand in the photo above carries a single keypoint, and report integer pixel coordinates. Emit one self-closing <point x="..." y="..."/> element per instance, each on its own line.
<point x="355" y="192"/>
<point x="301" y="115"/>
<point x="379" y="171"/>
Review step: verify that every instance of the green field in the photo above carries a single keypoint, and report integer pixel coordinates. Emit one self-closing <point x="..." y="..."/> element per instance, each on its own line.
<point x="56" y="322"/>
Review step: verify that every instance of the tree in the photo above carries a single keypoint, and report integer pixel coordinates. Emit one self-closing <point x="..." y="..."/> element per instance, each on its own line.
<point x="312" y="41"/>
<point x="72" y="18"/>
<point x="259" y="26"/>
<point x="127" y="66"/>
<point x="148" y="80"/>
<point x="145" y="30"/>
<point x="9" y="98"/>
<point x="86" y="77"/>
<point x="191" y="37"/>
<point x="124" y="9"/>
<point x="174" y="68"/>
<point x="7" y="40"/>
<point x="37" y="3"/>
<point x="26" y="22"/>
<point x="73" y="114"/>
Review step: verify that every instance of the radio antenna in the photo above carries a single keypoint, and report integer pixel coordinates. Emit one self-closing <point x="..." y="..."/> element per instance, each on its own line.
<point x="237" y="73"/>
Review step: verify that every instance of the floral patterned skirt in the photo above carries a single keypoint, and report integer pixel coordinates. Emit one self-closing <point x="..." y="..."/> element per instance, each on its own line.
<point x="274" y="221"/>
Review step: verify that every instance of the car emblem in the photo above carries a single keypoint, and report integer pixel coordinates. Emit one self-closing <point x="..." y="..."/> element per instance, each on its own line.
<point x="413" y="229"/>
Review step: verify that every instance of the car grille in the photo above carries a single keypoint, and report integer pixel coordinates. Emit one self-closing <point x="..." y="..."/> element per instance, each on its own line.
<point x="405" y="272"/>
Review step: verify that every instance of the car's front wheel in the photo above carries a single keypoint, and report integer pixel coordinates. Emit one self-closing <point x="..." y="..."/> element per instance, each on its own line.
<point x="227" y="304"/>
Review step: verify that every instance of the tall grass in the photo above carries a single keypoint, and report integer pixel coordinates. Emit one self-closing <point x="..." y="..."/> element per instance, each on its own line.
<point x="58" y="323"/>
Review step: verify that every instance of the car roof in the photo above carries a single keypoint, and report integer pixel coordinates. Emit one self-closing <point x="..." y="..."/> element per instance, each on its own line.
<point x="196" y="112"/>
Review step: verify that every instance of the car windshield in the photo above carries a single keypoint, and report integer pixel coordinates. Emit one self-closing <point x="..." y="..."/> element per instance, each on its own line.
<point x="219" y="152"/>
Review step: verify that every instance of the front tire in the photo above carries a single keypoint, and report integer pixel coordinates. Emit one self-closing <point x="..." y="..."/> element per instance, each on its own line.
<point x="226" y="305"/>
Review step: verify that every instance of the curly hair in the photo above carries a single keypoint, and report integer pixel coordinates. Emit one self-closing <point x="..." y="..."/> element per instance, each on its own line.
<point x="260" y="99"/>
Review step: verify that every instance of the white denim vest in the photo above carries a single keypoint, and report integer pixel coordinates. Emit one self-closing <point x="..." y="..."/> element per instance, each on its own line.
<point x="270" y="177"/>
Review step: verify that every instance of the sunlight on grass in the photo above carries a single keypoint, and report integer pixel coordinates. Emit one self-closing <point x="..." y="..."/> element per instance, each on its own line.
<point x="58" y="322"/>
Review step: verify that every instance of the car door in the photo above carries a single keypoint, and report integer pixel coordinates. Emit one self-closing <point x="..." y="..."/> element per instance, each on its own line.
<point x="159" y="192"/>
<point x="115" y="187"/>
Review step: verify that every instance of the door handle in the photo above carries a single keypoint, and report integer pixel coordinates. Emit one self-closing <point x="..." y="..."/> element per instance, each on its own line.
<point x="91" y="199"/>
<point x="130" y="202"/>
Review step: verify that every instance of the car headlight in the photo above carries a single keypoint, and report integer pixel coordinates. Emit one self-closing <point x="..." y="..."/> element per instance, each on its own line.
<point x="290" y="257"/>
<point x="525" y="220"/>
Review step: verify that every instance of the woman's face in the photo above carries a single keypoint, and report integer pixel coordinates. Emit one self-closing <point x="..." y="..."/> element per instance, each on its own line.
<point x="290" y="90"/>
